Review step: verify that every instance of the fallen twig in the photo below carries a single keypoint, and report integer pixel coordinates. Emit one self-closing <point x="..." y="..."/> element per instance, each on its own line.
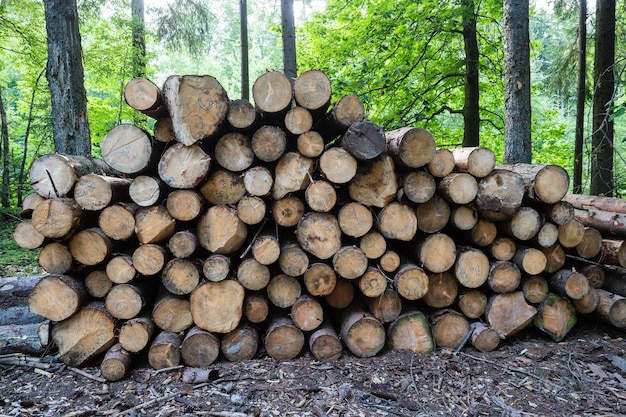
<point x="86" y="374"/>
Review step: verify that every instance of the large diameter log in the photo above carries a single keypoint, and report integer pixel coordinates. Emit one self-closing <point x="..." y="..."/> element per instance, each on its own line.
<point x="450" y="329"/>
<point x="217" y="306"/>
<point x="272" y="92"/>
<point x="509" y="313"/>
<point x="283" y="340"/>
<point x="292" y="173"/>
<point x="30" y="338"/>
<point x="397" y="221"/>
<point x="478" y="161"/>
<point x="84" y="335"/>
<point x="57" y="218"/>
<point x="221" y="231"/>
<point x="607" y="222"/>
<point x="233" y="151"/>
<point x="543" y="183"/>
<point x="95" y="192"/>
<point x="612" y="309"/>
<point x="364" y="140"/>
<point x="165" y="351"/>
<point x="199" y="348"/>
<point x="116" y="363"/>
<point x="57" y="297"/>
<point x="26" y="236"/>
<point x="499" y="195"/>
<point x="411" y="331"/>
<point x="54" y="175"/>
<point x="312" y="90"/>
<point x="183" y="166"/>
<point x="240" y="344"/>
<point x="570" y="283"/>
<point x="128" y="149"/>
<point x="118" y="221"/>
<point x="197" y="106"/>
<point x="361" y="332"/>
<point x="154" y="224"/>
<point x="143" y="95"/>
<point x="411" y="147"/>
<point x="437" y="252"/>
<point x="375" y="183"/>
<point x="319" y="234"/>
<point x="324" y="343"/>
<point x="555" y="317"/>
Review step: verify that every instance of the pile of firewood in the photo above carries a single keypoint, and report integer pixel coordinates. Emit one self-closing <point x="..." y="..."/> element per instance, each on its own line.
<point x="235" y="229"/>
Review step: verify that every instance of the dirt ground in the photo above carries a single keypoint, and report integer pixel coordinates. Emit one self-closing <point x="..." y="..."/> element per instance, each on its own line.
<point x="529" y="375"/>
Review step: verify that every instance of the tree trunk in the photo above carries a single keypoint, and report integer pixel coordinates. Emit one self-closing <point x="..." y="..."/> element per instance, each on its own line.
<point x="256" y="307"/>
<point x="503" y="248"/>
<point x="607" y="222"/>
<point x="245" y="65"/>
<point x="98" y="283"/>
<point x="471" y="105"/>
<point x="221" y="231"/>
<point x="319" y="234"/>
<point x="372" y="283"/>
<point x="183" y="244"/>
<point x="437" y="252"/>
<point x="288" y="26"/>
<point x="253" y="275"/>
<point x="319" y="279"/>
<point x="411" y="281"/>
<point x="154" y="224"/>
<point x="350" y="262"/>
<point x="347" y="110"/>
<point x="283" y="290"/>
<point x="581" y="98"/>
<point x="458" y="188"/>
<point x="5" y="190"/>
<point x="149" y="259"/>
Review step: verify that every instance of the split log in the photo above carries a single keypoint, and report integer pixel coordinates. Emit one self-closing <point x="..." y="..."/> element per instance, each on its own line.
<point x="543" y="183"/>
<point x="217" y="306"/>
<point x="154" y="224"/>
<point x="504" y="276"/>
<point x="355" y="219"/>
<point x="471" y="267"/>
<point x="84" y="335"/>
<point x="449" y="328"/>
<point x="442" y="163"/>
<point x="98" y="283"/>
<point x="503" y="248"/>
<point x="240" y="344"/>
<point x="57" y="297"/>
<point x="54" y="175"/>
<point x="500" y="194"/>
<point x="443" y="289"/>
<point x="221" y="231"/>
<point x="535" y="288"/>
<point x="242" y="115"/>
<point x="184" y="205"/>
<point x="216" y="267"/>
<point x="125" y="301"/>
<point x="55" y="258"/>
<point x="509" y="313"/>
<point x="437" y="252"/>
<point x="172" y="313"/>
<point x="350" y="262"/>
<point x="197" y="106"/>
<point x="116" y="363"/>
<point x="312" y="90"/>
<point x="293" y="260"/>
<point x="307" y="313"/>
<point x="319" y="234"/>
<point x="411" y="281"/>
<point x="411" y="147"/>
<point x="283" y="290"/>
<point x="135" y="334"/>
<point x="120" y="269"/>
<point x="386" y="307"/>
<point x="292" y="173"/>
<point x="149" y="259"/>
<point x="361" y="332"/>
<point x="253" y="275"/>
<point x="607" y="222"/>
<point x="269" y="143"/>
<point x="199" y="348"/>
<point x="258" y="181"/>
<point x="473" y="303"/>
<point x="118" y="221"/>
<point x="397" y="221"/>
<point x="183" y="166"/>
<point x="164" y="351"/>
<point x="419" y="186"/>
<point x="283" y="340"/>
<point x="298" y="120"/>
<point x="324" y="343"/>
<point x="320" y="279"/>
<point x="477" y="161"/>
<point x="373" y="244"/>
<point x="342" y="294"/>
<point x="233" y="151"/>
<point x="255" y="307"/>
<point x="364" y="140"/>
<point x="95" y="192"/>
<point x="458" y="188"/>
<point x="183" y="244"/>
<point x="570" y="283"/>
<point x="375" y="182"/>
<point x="57" y="218"/>
<point x="484" y="338"/>
<point x="612" y="309"/>
<point x="432" y="215"/>
<point x="143" y="95"/>
<point x="372" y="283"/>
<point x="602" y="203"/>
<point x="180" y="276"/>
<point x="411" y="331"/>
<point x="272" y="92"/>
<point x="128" y="149"/>
<point x="555" y="317"/>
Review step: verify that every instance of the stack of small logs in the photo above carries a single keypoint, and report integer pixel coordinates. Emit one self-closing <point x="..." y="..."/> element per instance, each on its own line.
<point x="243" y="230"/>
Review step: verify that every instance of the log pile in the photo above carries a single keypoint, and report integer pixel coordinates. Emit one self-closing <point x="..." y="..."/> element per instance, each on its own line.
<point x="291" y="224"/>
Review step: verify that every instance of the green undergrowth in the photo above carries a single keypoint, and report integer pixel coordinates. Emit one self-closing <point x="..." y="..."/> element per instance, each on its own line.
<point x="15" y="261"/>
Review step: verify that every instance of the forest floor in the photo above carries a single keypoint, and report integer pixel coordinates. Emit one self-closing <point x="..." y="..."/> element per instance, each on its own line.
<point x="528" y="375"/>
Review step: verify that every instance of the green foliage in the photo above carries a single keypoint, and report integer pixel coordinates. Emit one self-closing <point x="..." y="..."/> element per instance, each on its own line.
<point x="15" y="261"/>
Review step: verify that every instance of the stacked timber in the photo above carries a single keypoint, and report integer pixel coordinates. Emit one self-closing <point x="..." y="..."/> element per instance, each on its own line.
<point x="293" y="225"/>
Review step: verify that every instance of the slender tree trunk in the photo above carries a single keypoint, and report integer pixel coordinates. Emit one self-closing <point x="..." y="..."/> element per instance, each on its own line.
<point x="66" y="79"/>
<point x="6" y="160"/>
<point x="471" y="115"/>
<point x="604" y="78"/>
<point x="580" y="98"/>
<point x="245" y="72"/>
<point x="517" y="144"/>
<point x="138" y="53"/>
<point x="289" y="39"/>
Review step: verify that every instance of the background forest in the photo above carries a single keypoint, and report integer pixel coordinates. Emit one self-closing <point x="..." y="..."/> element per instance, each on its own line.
<point x="404" y="59"/>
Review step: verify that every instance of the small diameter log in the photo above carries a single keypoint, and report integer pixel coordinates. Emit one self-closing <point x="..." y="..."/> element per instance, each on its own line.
<point x="449" y="328"/>
<point x="591" y="244"/>
<point x="535" y="288"/>
<point x="95" y="192"/>
<point x="258" y="181"/>
<point x="355" y="219"/>
<point x="84" y="335"/>
<point x="253" y="275"/>
<point x="172" y="313"/>
<point x="320" y="279"/>
<point x="361" y="332"/>
<point x="26" y="236"/>
<point x="337" y="165"/>
<point x="143" y="95"/>
<point x="555" y="317"/>
<point x="57" y="218"/>
<point x="571" y="234"/>
<point x="320" y="196"/>
<point x="364" y="140"/>
<point x="443" y="289"/>
<point x="613" y="252"/>
<point x="149" y="259"/>
<point x="324" y="343"/>
<point x="458" y="188"/>
<point x="509" y="313"/>
<point x="483" y="233"/>
<point x="221" y="231"/>
<point x="463" y="217"/>
<point x="216" y="267"/>
<point x="128" y="149"/>
<point x="199" y="348"/>
<point x="266" y="249"/>
<point x="411" y="147"/>
<point x="502" y="248"/>
<point x="372" y="283"/>
<point x="319" y="234"/>
<point x="233" y="151"/>
<point x="555" y="258"/>
<point x="473" y="303"/>
<point x="559" y="213"/>
<point x="183" y="166"/>
<point x="312" y="90"/>
<point x="373" y="244"/>
<point x="477" y="161"/>
<point x="442" y="163"/>
<point x="90" y="246"/>
<point x="283" y="290"/>
<point x="164" y="351"/>
<point x="615" y="283"/>
<point x="54" y="175"/>
<point x="499" y="195"/>
<point x="125" y="301"/>
<point x="154" y="224"/>
<point x="183" y="244"/>
<point x="375" y="182"/>
<point x="524" y="224"/>
<point x="185" y="205"/>
<point x="147" y="191"/>
<point x="484" y="338"/>
<point x="30" y="338"/>
<point x="437" y="252"/>
<point x="118" y="221"/>
<point x="135" y="334"/>
<point x="120" y="269"/>
<point x="116" y="363"/>
<point x="163" y="130"/>
<point x="607" y="222"/>
<point x="242" y="115"/>
<point x="411" y="331"/>
<point x="298" y="120"/>
<point x="197" y="105"/>
<point x="217" y="306"/>
<point x="251" y="210"/>
<point x="180" y="276"/>
<point x="433" y="215"/>
<point x="342" y="294"/>
<point x="350" y="262"/>
<point x="98" y="283"/>
<point x="307" y="313"/>
<point x="283" y="340"/>
<point x="348" y="110"/>
<point x="612" y="309"/>
<point x="269" y="143"/>
<point x="419" y="186"/>
<point x="255" y="307"/>
<point x="223" y="187"/>
<point x="595" y="202"/>
<point x="240" y="344"/>
<point x="569" y="283"/>
<point x="595" y="274"/>
<point x="386" y="307"/>
<point x="471" y="267"/>
<point x="55" y="258"/>
<point x="390" y="261"/>
<point x="504" y="276"/>
<point x="29" y="203"/>
<point x="397" y="221"/>
<point x="547" y="235"/>
<point x="292" y="173"/>
<point x="310" y="144"/>
<point x="272" y="92"/>
<point x="411" y="282"/>
<point x="589" y="303"/>
<point x="293" y="260"/>
<point x="57" y="297"/>
<point x="531" y="261"/>
<point x="287" y="211"/>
